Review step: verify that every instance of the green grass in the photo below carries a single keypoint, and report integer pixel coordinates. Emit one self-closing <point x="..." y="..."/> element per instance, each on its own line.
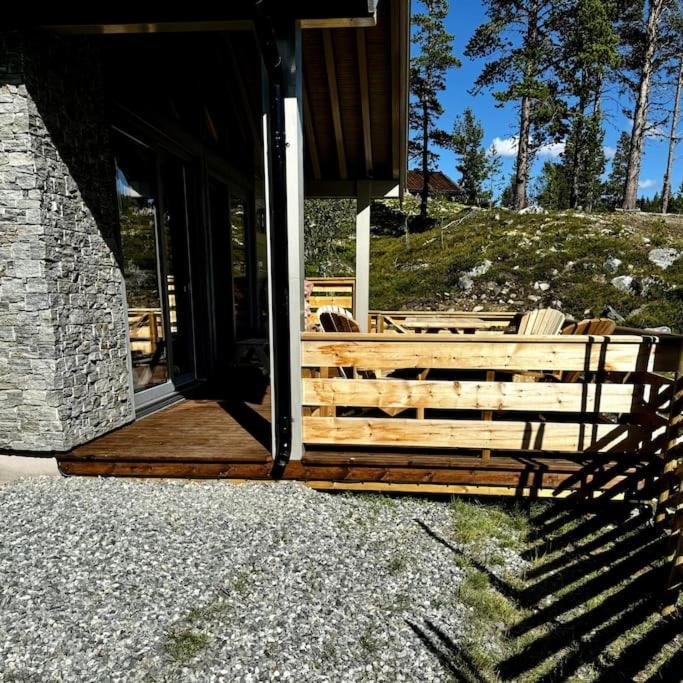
<point x="567" y="250"/>
<point x="563" y="618"/>
<point x="183" y="645"/>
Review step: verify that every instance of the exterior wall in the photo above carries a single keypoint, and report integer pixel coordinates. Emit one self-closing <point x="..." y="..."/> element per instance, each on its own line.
<point x="64" y="375"/>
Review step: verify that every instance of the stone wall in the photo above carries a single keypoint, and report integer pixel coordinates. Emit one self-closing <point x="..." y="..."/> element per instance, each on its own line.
<point x="64" y="375"/>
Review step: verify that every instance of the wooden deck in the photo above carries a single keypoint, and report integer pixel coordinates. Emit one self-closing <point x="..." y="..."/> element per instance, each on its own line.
<point x="194" y="438"/>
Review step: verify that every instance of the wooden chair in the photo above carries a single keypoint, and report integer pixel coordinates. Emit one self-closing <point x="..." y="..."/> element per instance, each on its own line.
<point x="338" y="319"/>
<point x="542" y="321"/>
<point x="591" y="326"/>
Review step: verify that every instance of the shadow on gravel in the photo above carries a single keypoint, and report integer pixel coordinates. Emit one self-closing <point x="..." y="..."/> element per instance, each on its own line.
<point x="586" y="608"/>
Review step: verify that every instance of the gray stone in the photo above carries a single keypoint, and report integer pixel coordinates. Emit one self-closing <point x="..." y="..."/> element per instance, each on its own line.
<point x="57" y="221"/>
<point x="624" y="283"/>
<point x="664" y="257"/>
<point x="612" y="264"/>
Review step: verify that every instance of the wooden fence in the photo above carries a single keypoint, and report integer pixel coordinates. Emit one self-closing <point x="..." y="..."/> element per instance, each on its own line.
<point x="331" y="291"/>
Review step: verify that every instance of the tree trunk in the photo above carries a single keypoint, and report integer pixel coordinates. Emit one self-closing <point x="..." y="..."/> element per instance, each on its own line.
<point x="666" y="190"/>
<point x="523" y="156"/>
<point x="576" y="157"/>
<point x="522" y="166"/>
<point x="425" y="164"/>
<point x="642" y="101"/>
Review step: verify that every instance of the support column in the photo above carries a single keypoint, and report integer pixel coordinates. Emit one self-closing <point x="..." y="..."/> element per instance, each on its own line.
<point x="363" y="253"/>
<point x="290" y="49"/>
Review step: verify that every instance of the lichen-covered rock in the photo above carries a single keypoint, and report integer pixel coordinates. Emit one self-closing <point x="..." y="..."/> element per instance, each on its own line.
<point x="664" y="257"/>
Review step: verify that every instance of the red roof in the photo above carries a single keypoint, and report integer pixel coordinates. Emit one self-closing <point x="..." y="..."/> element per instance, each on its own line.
<point x="438" y="183"/>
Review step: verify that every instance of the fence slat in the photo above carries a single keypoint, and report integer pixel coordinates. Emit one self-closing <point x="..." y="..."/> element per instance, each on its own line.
<point x="467" y="395"/>
<point x="478" y="434"/>
<point x="481" y="353"/>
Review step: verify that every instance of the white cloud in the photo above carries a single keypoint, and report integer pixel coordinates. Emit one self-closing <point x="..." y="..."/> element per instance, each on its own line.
<point x="647" y="184"/>
<point x="609" y="151"/>
<point x="553" y="149"/>
<point x="506" y="147"/>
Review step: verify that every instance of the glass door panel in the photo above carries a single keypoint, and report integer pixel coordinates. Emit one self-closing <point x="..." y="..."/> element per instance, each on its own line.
<point x="177" y="273"/>
<point x="138" y="204"/>
<point x="240" y="266"/>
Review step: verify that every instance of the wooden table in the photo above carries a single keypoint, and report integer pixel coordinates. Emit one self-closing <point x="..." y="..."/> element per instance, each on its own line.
<point x="454" y="325"/>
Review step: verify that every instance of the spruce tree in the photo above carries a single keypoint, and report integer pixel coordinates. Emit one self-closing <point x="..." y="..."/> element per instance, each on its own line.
<point x="428" y="70"/>
<point x="474" y="164"/>
<point x="616" y="182"/>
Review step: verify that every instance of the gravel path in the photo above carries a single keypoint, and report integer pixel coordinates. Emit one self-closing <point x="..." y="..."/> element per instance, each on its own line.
<point x="106" y="580"/>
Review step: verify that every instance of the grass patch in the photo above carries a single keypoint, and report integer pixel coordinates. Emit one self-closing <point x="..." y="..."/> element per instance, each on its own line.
<point x="183" y="645"/>
<point x="478" y="525"/>
<point x="584" y="610"/>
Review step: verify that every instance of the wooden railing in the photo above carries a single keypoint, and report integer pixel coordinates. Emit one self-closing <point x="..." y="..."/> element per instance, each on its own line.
<point x="563" y="416"/>
<point x="331" y="291"/>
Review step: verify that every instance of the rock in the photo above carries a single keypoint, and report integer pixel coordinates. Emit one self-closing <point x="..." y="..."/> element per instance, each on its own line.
<point x="542" y="286"/>
<point x="611" y="313"/>
<point x="664" y="329"/>
<point x="612" y="264"/>
<point x="663" y="257"/>
<point x="466" y="282"/>
<point x="533" y="208"/>
<point x="534" y="298"/>
<point x="624" y="283"/>
<point x="476" y="309"/>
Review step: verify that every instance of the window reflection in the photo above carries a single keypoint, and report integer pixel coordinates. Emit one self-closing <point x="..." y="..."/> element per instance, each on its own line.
<point x="240" y="282"/>
<point x="135" y="173"/>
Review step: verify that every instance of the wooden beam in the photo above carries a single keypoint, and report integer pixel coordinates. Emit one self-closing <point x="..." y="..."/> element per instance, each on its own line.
<point x="561" y="437"/>
<point x="334" y="102"/>
<point x="310" y="142"/>
<point x="380" y="189"/>
<point x="480" y="352"/>
<point x="469" y="395"/>
<point x="395" y="39"/>
<point x="364" y="99"/>
<point x="342" y="22"/>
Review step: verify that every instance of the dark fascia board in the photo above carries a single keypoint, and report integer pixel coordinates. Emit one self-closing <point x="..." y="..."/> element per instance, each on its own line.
<point x="126" y="16"/>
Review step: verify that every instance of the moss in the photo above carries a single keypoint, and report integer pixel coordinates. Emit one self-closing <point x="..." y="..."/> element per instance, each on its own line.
<point x="182" y="645"/>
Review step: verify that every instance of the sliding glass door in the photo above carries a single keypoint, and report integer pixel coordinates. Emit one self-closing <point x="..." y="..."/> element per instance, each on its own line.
<point x="153" y="189"/>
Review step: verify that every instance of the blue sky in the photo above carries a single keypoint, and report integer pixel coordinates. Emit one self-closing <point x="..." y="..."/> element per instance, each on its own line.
<point x="500" y="123"/>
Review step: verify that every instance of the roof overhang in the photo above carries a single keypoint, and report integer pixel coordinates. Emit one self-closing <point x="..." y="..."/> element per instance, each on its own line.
<point x="154" y="17"/>
<point x="355" y="114"/>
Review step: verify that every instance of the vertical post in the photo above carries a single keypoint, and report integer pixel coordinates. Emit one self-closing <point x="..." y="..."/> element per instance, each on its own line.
<point x="362" y="253"/>
<point x="290" y="49"/>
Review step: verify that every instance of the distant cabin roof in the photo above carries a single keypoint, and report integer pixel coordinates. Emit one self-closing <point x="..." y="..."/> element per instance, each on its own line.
<point x="437" y="182"/>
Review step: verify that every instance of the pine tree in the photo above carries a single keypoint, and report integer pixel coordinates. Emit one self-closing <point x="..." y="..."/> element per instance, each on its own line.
<point x="643" y="57"/>
<point x="553" y="188"/>
<point x="516" y="40"/>
<point x="428" y="70"/>
<point x="588" y="49"/>
<point x="474" y="164"/>
<point x="616" y="182"/>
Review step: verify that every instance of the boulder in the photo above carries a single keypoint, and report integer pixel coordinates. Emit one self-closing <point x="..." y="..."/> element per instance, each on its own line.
<point x="624" y="283"/>
<point x="663" y="257"/>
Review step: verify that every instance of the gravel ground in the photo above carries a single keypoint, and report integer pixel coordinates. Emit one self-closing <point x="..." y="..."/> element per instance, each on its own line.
<point x="106" y="580"/>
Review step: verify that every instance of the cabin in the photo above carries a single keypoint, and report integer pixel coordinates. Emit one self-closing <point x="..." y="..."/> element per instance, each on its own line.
<point x="438" y="185"/>
<point x="153" y="167"/>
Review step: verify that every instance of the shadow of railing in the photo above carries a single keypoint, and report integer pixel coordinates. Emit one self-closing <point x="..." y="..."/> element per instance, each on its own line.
<point x="594" y="587"/>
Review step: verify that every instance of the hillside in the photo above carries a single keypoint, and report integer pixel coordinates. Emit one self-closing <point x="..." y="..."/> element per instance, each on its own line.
<point x="495" y="259"/>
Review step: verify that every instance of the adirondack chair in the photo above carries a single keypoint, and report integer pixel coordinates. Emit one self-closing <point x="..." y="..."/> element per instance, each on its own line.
<point x="542" y="321"/>
<point x="338" y="319"/>
<point x="590" y="326"/>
